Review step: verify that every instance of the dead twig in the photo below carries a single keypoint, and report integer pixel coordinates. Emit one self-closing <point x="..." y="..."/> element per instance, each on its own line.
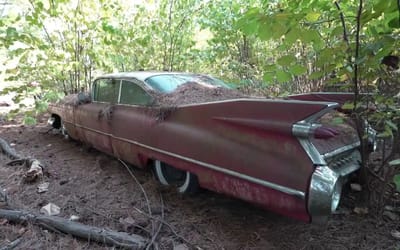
<point x="167" y="224"/>
<point x="159" y="226"/>
<point x="47" y="131"/>
<point x="109" y="217"/>
<point x="13" y="244"/>
<point x="143" y="191"/>
<point x="371" y="172"/>
<point x="3" y="197"/>
<point x="17" y="162"/>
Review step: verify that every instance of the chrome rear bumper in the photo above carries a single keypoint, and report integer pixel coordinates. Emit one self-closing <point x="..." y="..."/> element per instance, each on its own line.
<point x="326" y="185"/>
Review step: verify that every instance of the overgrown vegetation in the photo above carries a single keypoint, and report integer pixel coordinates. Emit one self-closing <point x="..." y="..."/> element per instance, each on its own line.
<point x="269" y="47"/>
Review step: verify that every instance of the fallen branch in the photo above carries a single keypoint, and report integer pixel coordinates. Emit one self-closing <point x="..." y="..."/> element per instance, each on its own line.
<point x="13" y="244"/>
<point x="58" y="224"/>
<point x="3" y="197"/>
<point x="35" y="168"/>
<point x="9" y="151"/>
<point x="16" y="162"/>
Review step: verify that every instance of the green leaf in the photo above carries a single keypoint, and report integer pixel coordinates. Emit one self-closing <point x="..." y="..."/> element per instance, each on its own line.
<point x="396" y="180"/>
<point x="11" y="33"/>
<point x="337" y="31"/>
<point x="251" y="28"/>
<point x="311" y="36"/>
<point x="293" y="34"/>
<point x="394" y="23"/>
<point x="385" y="134"/>
<point x="283" y="76"/>
<point x="392" y="125"/>
<point x="264" y="32"/>
<point x="286" y="60"/>
<point x="278" y="29"/>
<point x="348" y="106"/>
<point x="270" y="67"/>
<point x="268" y="77"/>
<point x="28" y="120"/>
<point x="312" y="16"/>
<point x="316" y="75"/>
<point x="394" y="162"/>
<point x="298" y="70"/>
<point x="337" y="121"/>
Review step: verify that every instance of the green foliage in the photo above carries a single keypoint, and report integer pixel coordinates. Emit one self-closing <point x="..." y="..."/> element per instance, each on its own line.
<point x="396" y="181"/>
<point x="29" y="120"/>
<point x="285" y="46"/>
<point x="311" y="33"/>
<point x="394" y="162"/>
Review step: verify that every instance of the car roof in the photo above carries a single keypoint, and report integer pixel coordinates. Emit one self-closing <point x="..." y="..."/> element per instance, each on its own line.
<point x="142" y="75"/>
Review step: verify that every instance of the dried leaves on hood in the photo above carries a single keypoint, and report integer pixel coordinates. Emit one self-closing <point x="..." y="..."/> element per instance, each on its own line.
<point x="193" y="92"/>
<point x="189" y="93"/>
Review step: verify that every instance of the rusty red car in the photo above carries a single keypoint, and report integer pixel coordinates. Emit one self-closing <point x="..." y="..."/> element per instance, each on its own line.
<point x="282" y="154"/>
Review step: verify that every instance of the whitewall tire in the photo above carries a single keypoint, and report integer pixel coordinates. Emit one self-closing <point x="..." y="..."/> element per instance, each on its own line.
<point x="184" y="181"/>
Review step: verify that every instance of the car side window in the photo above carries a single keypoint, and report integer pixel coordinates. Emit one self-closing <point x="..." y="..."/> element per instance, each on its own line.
<point x="107" y="90"/>
<point x="133" y="94"/>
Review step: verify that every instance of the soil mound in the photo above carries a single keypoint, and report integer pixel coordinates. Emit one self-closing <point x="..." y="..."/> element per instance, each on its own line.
<point x="193" y="92"/>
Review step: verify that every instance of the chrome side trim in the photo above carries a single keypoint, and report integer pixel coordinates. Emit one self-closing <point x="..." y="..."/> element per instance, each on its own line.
<point x="313" y="117"/>
<point x="312" y="152"/>
<point x="303" y="130"/>
<point x="329" y="104"/>
<point x="297" y="193"/>
<point x="341" y="150"/>
<point x="119" y="91"/>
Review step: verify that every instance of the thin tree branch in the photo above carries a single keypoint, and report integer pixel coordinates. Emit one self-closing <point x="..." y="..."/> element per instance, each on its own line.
<point x="398" y="8"/>
<point x="44" y="28"/>
<point x="345" y="37"/>
<point x="357" y="53"/>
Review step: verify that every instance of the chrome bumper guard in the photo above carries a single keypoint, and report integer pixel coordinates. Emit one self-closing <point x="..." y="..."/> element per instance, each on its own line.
<point x="326" y="185"/>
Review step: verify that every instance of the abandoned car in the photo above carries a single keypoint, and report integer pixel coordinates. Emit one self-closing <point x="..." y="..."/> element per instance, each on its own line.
<point x="291" y="156"/>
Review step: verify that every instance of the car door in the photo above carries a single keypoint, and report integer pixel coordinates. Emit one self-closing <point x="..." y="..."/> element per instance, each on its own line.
<point x="94" y="119"/>
<point x="131" y="122"/>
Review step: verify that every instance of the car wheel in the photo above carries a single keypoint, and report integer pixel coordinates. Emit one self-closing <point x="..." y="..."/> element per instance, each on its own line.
<point x="167" y="175"/>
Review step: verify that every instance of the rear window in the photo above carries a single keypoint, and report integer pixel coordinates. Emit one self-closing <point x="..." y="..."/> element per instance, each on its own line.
<point x="169" y="82"/>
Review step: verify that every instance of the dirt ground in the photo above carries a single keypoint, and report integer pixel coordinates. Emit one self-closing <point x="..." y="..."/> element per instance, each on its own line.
<point x="100" y="190"/>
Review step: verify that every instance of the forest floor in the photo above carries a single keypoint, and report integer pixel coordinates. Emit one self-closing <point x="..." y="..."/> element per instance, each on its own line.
<point x="101" y="192"/>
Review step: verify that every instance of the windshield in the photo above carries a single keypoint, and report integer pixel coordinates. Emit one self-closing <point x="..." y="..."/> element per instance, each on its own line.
<point x="169" y="82"/>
